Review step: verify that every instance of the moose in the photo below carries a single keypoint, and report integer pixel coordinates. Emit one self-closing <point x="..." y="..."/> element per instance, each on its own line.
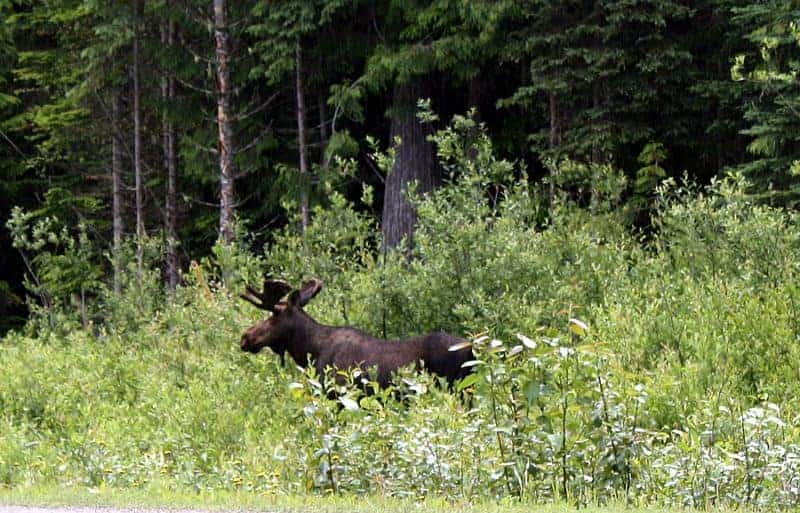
<point x="290" y="329"/>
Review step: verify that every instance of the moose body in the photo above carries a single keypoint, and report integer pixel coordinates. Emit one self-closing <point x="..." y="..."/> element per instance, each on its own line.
<point x="290" y="329"/>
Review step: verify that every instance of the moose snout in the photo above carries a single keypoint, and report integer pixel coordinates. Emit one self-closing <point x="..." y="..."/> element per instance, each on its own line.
<point x="245" y="344"/>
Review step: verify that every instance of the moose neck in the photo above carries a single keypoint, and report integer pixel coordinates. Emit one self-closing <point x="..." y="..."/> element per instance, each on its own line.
<point x="307" y="338"/>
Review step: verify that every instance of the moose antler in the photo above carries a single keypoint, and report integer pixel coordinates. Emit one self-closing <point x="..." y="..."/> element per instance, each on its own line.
<point x="272" y="292"/>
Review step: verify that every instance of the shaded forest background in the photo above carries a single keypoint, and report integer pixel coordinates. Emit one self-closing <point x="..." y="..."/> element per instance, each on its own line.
<point x="151" y="129"/>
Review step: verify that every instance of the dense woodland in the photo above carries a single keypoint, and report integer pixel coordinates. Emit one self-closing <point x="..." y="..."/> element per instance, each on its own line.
<point x="170" y="123"/>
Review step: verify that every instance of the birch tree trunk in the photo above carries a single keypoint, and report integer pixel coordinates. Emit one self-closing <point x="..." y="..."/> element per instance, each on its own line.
<point x="226" y="149"/>
<point x="116" y="191"/>
<point x="414" y="163"/>
<point x="137" y="135"/>
<point x="171" y="165"/>
<point x="301" y="136"/>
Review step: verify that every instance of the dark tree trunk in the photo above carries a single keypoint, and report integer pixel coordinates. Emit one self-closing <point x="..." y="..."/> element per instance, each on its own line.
<point x="597" y="150"/>
<point x="555" y="122"/>
<point x="116" y="190"/>
<point x="475" y="96"/>
<point x="137" y="134"/>
<point x="474" y="105"/>
<point x="301" y="136"/>
<point x="555" y="141"/>
<point x="323" y="129"/>
<point x="414" y="162"/>
<point x="226" y="149"/>
<point x="171" y="165"/>
<point x="597" y="103"/>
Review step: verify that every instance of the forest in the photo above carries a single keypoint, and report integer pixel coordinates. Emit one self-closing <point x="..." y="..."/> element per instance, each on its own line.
<point x="600" y="196"/>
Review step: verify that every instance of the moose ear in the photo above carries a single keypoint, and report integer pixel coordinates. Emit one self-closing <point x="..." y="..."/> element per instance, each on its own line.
<point x="306" y="293"/>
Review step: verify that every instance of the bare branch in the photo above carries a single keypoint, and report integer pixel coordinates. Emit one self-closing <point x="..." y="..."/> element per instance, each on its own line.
<point x="242" y="201"/>
<point x="12" y="144"/>
<point x="264" y="105"/>
<point x="255" y="140"/>
<point x="375" y="170"/>
<point x="189" y="199"/>
<point x="195" y="88"/>
<point x="201" y="147"/>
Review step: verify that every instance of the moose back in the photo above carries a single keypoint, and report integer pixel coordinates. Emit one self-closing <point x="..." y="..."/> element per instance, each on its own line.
<point x="290" y="329"/>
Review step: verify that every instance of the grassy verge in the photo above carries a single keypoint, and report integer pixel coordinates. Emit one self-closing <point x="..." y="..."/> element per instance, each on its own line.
<point x="163" y="497"/>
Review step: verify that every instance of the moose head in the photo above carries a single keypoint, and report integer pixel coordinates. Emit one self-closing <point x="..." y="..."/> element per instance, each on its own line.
<point x="278" y="329"/>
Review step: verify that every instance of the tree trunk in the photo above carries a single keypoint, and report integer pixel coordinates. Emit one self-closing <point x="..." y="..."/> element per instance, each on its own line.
<point x="323" y="129"/>
<point x="555" y="141"/>
<point x="597" y="102"/>
<point x="116" y="190"/>
<point x="226" y="149"/>
<point x="137" y="135"/>
<point x="475" y="96"/>
<point x="597" y="152"/>
<point x="301" y="136"/>
<point x="414" y="162"/>
<point x="555" y="122"/>
<point x="171" y="165"/>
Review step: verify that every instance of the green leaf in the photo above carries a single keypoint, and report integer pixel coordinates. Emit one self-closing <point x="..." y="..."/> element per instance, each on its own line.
<point x="467" y="382"/>
<point x="530" y="344"/>
<point x="348" y="403"/>
<point x="532" y="391"/>
<point x="578" y="327"/>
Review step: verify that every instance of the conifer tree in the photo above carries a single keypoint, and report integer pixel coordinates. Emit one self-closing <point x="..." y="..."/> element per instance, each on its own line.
<point x="291" y="38"/>
<point x="772" y="66"/>
<point x="11" y="156"/>
<point x="602" y="69"/>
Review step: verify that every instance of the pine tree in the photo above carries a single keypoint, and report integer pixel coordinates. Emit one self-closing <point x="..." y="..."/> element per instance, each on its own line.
<point x="774" y="116"/>
<point x="291" y="38"/>
<point x="11" y="156"/>
<point x="603" y="70"/>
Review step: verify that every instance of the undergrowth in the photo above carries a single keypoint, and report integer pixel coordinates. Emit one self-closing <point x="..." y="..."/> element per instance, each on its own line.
<point x="609" y="365"/>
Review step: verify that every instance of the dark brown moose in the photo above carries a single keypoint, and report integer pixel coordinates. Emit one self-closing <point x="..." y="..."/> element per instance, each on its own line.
<point x="290" y="329"/>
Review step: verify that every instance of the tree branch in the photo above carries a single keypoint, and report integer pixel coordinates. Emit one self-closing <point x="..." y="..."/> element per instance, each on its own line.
<point x="255" y="140"/>
<point x="267" y="103"/>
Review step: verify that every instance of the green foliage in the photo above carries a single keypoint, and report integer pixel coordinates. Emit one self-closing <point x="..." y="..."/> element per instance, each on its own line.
<point x="774" y="121"/>
<point x="61" y="262"/>
<point x="283" y="25"/>
<point x="621" y="75"/>
<point x="659" y="370"/>
<point x="732" y="276"/>
<point x="591" y="61"/>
